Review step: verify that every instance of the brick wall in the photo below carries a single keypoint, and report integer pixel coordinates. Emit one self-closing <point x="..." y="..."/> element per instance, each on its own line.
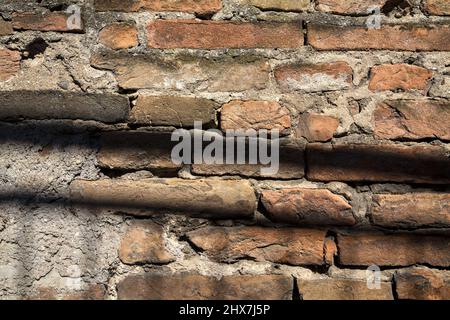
<point x="93" y="207"/>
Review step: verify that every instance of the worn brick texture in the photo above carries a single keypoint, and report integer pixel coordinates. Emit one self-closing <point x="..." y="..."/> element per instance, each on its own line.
<point x="93" y="205"/>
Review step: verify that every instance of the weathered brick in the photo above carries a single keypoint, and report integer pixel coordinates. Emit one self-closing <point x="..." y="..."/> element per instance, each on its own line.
<point x="437" y="7"/>
<point x="389" y="37"/>
<point x="188" y="286"/>
<point x="103" y="107"/>
<point x="382" y="163"/>
<point x="119" y="36"/>
<point x="208" y="198"/>
<point x="5" y="28"/>
<point x="220" y="75"/>
<point x="421" y="283"/>
<point x="172" y="111"/>
<point x="287" y="246"/>
<point x="412" y="210"/>
<point x="256" y="115"/>
<point x="144" y="242"/>
<point x="413" y="119"/>
<point x="291" y="165"/>
<point x="168" y="34"/>
<point x="48" y="21"/>
<point x="192" y="6"/>
<point x="330" y="250"/>
<point x="314" y="77"/>
<point x="401" y="249"/>
<point x="351" y="7"/>
<point x="137" y="150"/>
<point x="342" y="289"/>
<point x="399" y="76"/>
<point x="9" y="63"/>
<point x="301" y="206"/>
<point x="284" y="5"/>
<point x="317" y="127"/>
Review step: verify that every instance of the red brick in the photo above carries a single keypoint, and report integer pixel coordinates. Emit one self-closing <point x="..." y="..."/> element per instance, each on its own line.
<point x="49" y="21"/>
<point x="314" y="77"/>
<point x="399" y="76"/>
<point x="382" y="163"/>
<point x="412" y="210"/>
<point x="437" y="7"/>
<point x="9" y="63"/>
<point x="413" y="119"/>
<point x="350" y="7"/>
<point x="401" y="249"/>
<point x="317" y="127"/>
<point x="119" y="36"/>
<point x="181" y="72"/>
<point x="188" y="286"/>
<point x="421" y="283"/>
<point x="256" y="115"/>
<point x="144" y="242"/>
<point x="302" y="206"/>
<point x="207" y="198"/>
<point x="283" y="245"/>
<point x="192" y="6"/>
<point x="169" y="34"/>
<point x="389" y="37"/>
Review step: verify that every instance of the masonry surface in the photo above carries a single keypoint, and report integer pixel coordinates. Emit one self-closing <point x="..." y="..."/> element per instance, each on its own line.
<point x="92" y="207"/>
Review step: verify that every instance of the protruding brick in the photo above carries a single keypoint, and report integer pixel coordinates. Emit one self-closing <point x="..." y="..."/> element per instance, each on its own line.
<point x="287" y="246"/>
<point x="188" y="286"/>
<point x="119" y="36"/>
<point x="388" y="37"/>
<point x="421" y="283"/>
<point x="437" y="7"/>
<point x="283" y="5"/>
<point x="412" y="210"/>
<point x="342" y="289"/>
<point x="208" y="198"/>
<point x="256" y="115"/>
<point x="413" y="119"/>
<point x="137" y="150"/>
<point x="144" y="243"/>
<point x="9" y="63"/>
<point x="169" y="34"/>
<point x="191" y="6"/>
<point x="314" y="77"/>
<point x="5" y="28"/>
<point x="172" y="111"/>
<point x="399" y="76"/>
<point x="182" y="72"/>
<point x="317" y="127"/>
<point x="350" y="7"/>
<point x="302" y="206"/>
<point x="48" y="21"/>
<point x="103" y="107"/>
<point x="401" y="249"/>
<point x="381" y="163"/>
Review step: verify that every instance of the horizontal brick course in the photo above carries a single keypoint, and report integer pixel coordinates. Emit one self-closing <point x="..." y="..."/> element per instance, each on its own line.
<point x="188" y="286"/>
<point x="284" y="245"/>
<point x="184" y="72"/>
<point x="193" y="6"/>
<point x="381" y="163"/>
<point x="389" y="37"/>
<point x="169" y="34"/>
<point x="206" y="198"/>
